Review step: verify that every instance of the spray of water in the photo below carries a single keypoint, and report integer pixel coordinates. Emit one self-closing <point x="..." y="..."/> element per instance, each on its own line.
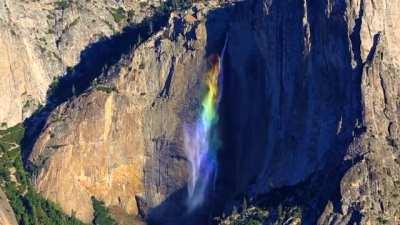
<point x="201" y="138"/>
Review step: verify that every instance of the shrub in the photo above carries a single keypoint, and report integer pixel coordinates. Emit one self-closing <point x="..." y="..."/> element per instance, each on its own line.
<point x="62" y="4"/>
<point x="28" y="206"/>
<point x="118" y="14"/>
<point x="253" y="222"/>
<point x="381" y="220"/>
<point x="54" y="84"/>
<point x="101" y="214"/>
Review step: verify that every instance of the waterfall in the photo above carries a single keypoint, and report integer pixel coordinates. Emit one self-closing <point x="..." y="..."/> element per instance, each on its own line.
<point x="201" y="139"/>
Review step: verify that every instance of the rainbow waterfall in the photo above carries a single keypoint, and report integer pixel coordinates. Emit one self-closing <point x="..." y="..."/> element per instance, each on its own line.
<point x="202" y="140"/>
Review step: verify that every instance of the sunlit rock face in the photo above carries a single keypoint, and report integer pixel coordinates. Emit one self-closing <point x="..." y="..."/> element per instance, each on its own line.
<point x="7" y="216"/>
<point x="40" y="39"/>
<point x="122" y="141"/>
<point x="310" y="97"/>
<point x="370" y="188"/>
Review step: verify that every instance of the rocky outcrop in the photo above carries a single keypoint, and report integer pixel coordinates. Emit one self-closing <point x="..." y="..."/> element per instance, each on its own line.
<point x="7" y="216"/>
<point x="40" y="39"/>
<point x="121" y="141"/>
<point x="318" y="107"/>
<point x="370" y="188"/>
<point x="310" y="108"/>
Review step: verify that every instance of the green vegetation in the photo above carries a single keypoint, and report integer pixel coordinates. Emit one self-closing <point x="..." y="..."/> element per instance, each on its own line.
<point x="62" y="4"/>
<point x="72" y="24"/>
<point x="106" y="89"/>
<point x="289" y="213"/>
<point x="167" y="6"/>
<point x="131" y="14"/>
<point x="118" y="14"/>
<point x="253" y="222"/>
<point x="142" y="4"/>
<point x="249" y="216"/>
<point x="257" y="215"/>
<point x="180" y="4"/>
<point x="382" y="220"/>
<point x="101" y="214"/>
<point x="103" y="87"/>
<point x="54" y="84"/>
<point x="164" y="7"/>
<point x="29" y="104"/>
<point x="29" y="207"/>
<point x="392" y="142"/>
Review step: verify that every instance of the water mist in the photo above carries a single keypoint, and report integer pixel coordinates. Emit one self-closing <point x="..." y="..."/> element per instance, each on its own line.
<point x="201" y="138"/>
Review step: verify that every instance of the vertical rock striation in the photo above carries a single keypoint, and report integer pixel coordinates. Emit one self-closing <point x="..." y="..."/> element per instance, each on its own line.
<point x="316" y="103"/>
<point x="310" y="103"/>
<point x="121" y="141"/>
<point x="7" y="216"/>
<point x="39" y="40"/>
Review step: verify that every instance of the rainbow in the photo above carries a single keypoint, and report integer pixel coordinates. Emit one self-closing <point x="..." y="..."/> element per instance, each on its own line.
<point x="201" y="139"/>
<point x="209" y="114"/>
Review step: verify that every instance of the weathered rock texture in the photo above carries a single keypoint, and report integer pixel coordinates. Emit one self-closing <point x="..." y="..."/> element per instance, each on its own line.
<point x="310" y="101"/>
<point x="317" y="102"/>
<point x="122" y="140"/>
<point x="40" y="39"/>
<point x="7" y="216"/>
<point x="370" y="188"/>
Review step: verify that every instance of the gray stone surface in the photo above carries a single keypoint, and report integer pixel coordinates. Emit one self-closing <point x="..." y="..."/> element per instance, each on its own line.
<point x="311" y="102"/>
<point x="7" y="216"/>
<point x="40" y="39"/>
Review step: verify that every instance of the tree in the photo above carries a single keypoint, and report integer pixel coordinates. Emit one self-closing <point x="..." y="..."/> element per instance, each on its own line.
<point x="101" y="214"/>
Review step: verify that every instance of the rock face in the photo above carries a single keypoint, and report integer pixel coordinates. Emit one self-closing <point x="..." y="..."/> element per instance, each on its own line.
<point x="7" y="216"/>
<point x="121" y="141"/>
<point x="311" y="101"/>
<point x="370" y="188"/>
<point x="317" y="96"/>
<point x="40" y="39"/>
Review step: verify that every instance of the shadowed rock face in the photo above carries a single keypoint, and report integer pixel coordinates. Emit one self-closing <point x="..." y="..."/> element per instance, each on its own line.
<point x="121" y="141"/>
<point x="40" y="39"/>
<point x="293" y="91"/>
<point x="312" y="97"/>
<point x="310" y="103"/>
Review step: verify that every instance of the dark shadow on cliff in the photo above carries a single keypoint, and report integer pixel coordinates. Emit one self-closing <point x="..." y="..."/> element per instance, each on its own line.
<point x="312" y="194"/>
<point x="94" y="62"/>
<point x="174" y="210"/>
<point x="243" y="147"/>
<point x="339" y="97"/>
<point x="341" y="92"/>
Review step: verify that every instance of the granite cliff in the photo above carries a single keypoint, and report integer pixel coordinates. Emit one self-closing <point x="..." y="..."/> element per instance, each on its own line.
<point x="121" y="140"/>
<point x="309" y="113"/>
<point x="321" y="96"/>
<point x="7" y="216"/>
<point x="39" y="40"/>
